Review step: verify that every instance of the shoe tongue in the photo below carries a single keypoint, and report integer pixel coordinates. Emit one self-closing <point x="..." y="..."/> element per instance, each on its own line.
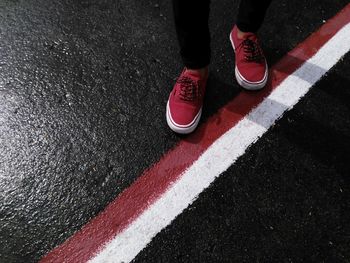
<point x="194" y="74"/>
<point x="251" y="36"/>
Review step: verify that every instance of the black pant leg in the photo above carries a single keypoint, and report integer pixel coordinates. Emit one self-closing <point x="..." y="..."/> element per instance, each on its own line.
<point x="251" y="14"/>
<point x="191" y="22"/>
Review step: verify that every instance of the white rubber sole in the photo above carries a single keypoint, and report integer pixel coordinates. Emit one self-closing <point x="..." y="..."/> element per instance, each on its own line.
<point x="246" y="84"/>
<point x="182" y="129"/>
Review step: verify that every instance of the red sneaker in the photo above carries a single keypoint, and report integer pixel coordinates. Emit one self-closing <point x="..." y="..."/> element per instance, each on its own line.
<point x="251" y="68"/>
<point x="184" y="107"/>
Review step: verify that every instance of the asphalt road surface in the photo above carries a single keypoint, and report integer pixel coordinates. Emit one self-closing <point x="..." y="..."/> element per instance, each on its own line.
<point x="83" y="89"/>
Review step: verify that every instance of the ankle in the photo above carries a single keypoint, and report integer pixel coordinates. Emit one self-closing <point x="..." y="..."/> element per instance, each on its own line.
<point x="241" y="34"/>
<point x="201" y="71"/>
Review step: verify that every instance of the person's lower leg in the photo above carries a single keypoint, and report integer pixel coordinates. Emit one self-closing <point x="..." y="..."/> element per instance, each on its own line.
<point x="191" y="22"/>
<point x="251" y="15"/>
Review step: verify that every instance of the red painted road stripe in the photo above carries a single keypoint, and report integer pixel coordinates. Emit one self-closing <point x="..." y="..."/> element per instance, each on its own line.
<point x="155" y="180"/>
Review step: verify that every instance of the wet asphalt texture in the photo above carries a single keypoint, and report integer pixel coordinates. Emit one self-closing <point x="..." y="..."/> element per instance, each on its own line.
<point x="83" y="89"/>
